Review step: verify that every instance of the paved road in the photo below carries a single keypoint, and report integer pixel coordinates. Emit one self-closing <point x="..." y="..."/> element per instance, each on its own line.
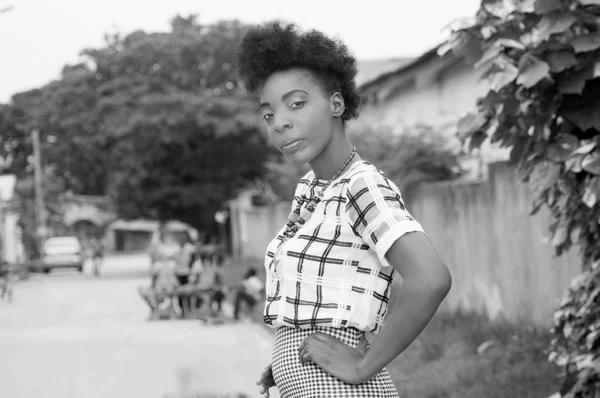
<point x="71" y="335"/>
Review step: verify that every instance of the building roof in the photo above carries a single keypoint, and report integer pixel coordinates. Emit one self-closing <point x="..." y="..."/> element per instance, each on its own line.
<point x="7" y="187"/>
<point x="413" y="63"/>
<point x="371" y="69"/>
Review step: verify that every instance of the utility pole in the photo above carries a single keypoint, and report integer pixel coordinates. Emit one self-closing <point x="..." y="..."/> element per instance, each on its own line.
<point x="42" y="229"/>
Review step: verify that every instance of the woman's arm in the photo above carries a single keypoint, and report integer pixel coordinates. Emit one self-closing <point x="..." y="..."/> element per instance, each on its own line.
<point x="376" y="213"/>
<point x="426" y="283"/>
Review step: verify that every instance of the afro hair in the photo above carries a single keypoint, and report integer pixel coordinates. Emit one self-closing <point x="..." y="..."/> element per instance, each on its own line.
<point x="274" y="47"/>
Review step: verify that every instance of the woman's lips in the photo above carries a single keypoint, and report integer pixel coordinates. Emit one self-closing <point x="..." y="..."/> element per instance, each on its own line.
<point x="291" y="146"/>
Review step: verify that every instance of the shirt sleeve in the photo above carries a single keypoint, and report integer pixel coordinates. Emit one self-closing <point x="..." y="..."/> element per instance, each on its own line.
<point x="376" y="212"/>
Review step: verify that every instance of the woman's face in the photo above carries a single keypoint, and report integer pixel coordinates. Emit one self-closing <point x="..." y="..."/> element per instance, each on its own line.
<point x="298" y="114"/>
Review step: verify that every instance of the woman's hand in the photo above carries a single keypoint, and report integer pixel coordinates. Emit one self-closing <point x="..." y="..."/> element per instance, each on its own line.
<point x="266" y="381"/>
<point x="334" y="357"/>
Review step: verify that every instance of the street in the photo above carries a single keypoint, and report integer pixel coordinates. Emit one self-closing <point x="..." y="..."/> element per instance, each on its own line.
<point x="71" y="335"/>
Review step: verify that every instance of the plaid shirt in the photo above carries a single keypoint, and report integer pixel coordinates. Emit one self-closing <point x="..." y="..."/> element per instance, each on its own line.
<point x="333" y="272"/>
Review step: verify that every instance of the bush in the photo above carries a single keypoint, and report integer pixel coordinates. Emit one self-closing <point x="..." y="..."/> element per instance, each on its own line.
<point x="541" y="61"/>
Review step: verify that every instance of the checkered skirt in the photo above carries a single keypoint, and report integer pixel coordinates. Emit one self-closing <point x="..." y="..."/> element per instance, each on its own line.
<point x="296" y="380"/>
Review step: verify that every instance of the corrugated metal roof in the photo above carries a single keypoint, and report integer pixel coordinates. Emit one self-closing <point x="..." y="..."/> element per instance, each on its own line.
<point x="372" y="69"/>
<point x="426" y="56"/>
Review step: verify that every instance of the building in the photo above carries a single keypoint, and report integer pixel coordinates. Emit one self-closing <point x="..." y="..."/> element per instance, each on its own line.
<point x="84" y="216"/>
<point x="430" y="90"/>
<point x="136" y="235"/>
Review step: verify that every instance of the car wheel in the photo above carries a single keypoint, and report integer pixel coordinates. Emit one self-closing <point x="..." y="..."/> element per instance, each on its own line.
<point x="46" y="270"/>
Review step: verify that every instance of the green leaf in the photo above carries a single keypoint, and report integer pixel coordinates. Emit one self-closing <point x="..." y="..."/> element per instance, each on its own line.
<point x="488" y="31"/>
<point x="589" y="197"/>
<point x="574" y="82"/>
<point x="547" y="6"/>
<point x="585" y="115"/>
<point x="537" y="204"/>
<point x="518" y="149"/>
<point x="525" y="6"/>
<point x="470" y="124"/>
<point x="463" y="44"/>
<point x="509" y="43"/>
<point x="591" y="163"/>
<point x="447" y="46"/>
<point x="498" y="8"/>
<point x="476" y="140"/>
<point x="574" y="163"/>
<point x="460" y="23"/>
<point x="556" y="22"/>
<point x="562" y="148"/>
<point x="533" y="72"/>
<point x="585" y="148"/>
<point x="587" y="43"/>
<point x="561" y="60"/>
<point x="592" y="340"/>
<point x="489" y="55"/>
<point x="543" y="177"/>
<point x="561" y="234"/>
<point x="501" y="74"/>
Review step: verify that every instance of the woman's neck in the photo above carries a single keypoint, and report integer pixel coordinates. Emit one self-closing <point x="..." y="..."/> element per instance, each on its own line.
<point x="335" y="154"/>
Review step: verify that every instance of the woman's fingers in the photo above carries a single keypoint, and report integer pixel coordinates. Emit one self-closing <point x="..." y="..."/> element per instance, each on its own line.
<point x="266" y="374"/>
<point x="363" y="346"/>
<point x="305" y="357"/>
<point x="316" y="343"/>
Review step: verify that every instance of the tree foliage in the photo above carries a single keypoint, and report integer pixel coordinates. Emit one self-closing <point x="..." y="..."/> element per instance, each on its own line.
<point x="155" y="120"/>
<point x="541" y="59"/>
<point x="418" y="155"/>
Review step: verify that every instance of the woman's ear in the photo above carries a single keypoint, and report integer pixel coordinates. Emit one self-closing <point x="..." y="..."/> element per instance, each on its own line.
<point x="337" y="104"/>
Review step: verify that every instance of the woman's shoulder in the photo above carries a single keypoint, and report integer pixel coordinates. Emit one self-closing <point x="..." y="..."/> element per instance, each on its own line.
<point x="362" y="170"/>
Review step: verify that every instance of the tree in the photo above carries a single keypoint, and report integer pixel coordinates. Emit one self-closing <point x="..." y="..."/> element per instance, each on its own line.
<point x="541" y="59"/>
<point x="155" y="120"/>
<point x="184" y="135"/>
<point x="416" y="156"/>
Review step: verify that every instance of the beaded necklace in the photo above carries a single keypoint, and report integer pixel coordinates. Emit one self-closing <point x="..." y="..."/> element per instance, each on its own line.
<point x="300" y="215"/>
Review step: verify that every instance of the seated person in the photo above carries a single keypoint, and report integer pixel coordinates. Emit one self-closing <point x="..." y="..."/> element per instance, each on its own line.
<point x="201" y="286"/>
<point x="183" y="270"/>
<point x="187" y="292"/>
<point x="250" y="293"/>
<point x="219" y="289"/>
<point x="159" y="297"/>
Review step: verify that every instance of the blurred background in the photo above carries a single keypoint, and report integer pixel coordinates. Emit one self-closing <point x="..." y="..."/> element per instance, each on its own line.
<point x="123" y="128"/>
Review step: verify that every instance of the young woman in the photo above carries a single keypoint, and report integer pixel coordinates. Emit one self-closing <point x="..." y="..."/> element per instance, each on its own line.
<point x="330" y="267"/>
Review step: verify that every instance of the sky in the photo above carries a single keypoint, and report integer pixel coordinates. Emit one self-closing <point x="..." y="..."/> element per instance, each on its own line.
<point x="39" y="37"/>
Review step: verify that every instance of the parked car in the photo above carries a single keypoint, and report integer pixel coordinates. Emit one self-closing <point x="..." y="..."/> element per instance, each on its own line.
<point x="62" y="252"/>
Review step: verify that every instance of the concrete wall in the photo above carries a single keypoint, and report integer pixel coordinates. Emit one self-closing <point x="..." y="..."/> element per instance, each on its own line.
<point x="495" y="250"/>
<point x="253" y="227"/>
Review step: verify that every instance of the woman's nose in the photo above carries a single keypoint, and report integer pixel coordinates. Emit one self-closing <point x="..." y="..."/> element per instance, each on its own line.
<point x="281" y="124"/>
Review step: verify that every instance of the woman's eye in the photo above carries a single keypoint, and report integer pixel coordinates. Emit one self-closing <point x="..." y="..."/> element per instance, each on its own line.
<point x="297" y="104"/>
<point x="267" y="116"/>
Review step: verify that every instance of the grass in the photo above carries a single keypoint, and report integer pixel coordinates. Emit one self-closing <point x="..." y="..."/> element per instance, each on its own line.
<point x="443" y="362"/>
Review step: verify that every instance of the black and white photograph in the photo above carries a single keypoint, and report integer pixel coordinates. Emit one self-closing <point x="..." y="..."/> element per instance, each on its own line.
<point x="316" y="199"/>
